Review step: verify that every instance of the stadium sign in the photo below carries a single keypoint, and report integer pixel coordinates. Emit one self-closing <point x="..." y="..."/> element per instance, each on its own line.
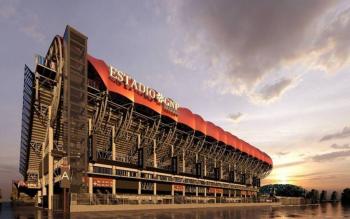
<point x="150" y="93"/>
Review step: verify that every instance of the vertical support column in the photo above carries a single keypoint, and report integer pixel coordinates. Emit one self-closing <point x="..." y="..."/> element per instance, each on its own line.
<point x="215" y="195"/>
<point x="90" y="167"/>
<point x="154" y="153"/>
<point x="172" y="193"/>
<point x="172" y="185"/>
<point x="154" y="164"/>
<point x="91" y="186"/>
<point x="43" y="182"/>
<point x="196" y="186"/>
<point x="139" y="188"/>
<point x="215" y="169"/>
<point x="205" y="166"/>
<point x="221" y="172"/>
<point x="50" y="163"/>
<point x="36" y="86"/>
<point x="183" y="161"/>
<point x="154" y="188"/>
<point x="113" y="158"/>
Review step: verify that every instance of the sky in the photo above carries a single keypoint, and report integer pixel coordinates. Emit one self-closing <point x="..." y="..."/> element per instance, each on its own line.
<point x="275" y="72"/>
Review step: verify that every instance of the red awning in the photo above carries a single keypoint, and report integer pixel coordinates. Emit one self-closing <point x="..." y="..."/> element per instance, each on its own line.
<point x="184" y="115"/>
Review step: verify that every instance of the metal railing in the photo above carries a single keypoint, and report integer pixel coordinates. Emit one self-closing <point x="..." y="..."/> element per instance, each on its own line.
<point x="133" y="199"/>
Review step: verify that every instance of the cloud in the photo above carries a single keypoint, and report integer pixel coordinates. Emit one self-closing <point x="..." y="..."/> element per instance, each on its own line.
<point x="338" y="135"/>
<point x="289" y="164"/>
<point x="236" y="117"/>
<point x="316" y="158"/>
<point x="247" y="44"/>
<point x="24" y="20"/>
<point x="344" y="146"/>
<point x="8" y="168"/>
<point x="282" y="153"/>
<point x="7" y="9"/>
<point x="330" y="156"/>
<point x="275" y="90"/>
<point x="31" y="29"/>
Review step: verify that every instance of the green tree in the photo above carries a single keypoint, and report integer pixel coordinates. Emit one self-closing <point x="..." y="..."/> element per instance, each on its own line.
<point x="282" y="190"/>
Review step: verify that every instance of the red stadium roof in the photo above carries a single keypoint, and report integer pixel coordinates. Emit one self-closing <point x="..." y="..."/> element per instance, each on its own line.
<point x="184" y="115"/>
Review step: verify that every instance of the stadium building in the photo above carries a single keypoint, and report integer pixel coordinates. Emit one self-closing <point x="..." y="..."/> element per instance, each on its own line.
<point x="92" y="134"/>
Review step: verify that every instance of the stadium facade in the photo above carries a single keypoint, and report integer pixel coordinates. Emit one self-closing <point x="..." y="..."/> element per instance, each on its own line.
<point x="90" y="130"/>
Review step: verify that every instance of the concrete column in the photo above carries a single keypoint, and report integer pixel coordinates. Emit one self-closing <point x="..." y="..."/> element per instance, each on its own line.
<point x="139" y="188"/>
<point x="90" y="126"/>
<point x="215" y="195"/>
<point x="50" y="177"/>
<point x="229" y="193"/>
<point x="205" y="191"/>
<point x="154" y="153"/>
<point x="43" y="182"/>
<point x="221" y="173"/>
<point x="113" y="158"/>
<point x="196" y="191"/>
<point x="38" y="198"/>
<point x="172" y="190"/>
<point x="205" y="166"/>
<point x="172" y="194"/>
<point x="91" y="186"/>
<point x="184" y="191"/>
<point x="113" y="143"/>
<point x="138" y="140"/>
<point x="154" y="188"/>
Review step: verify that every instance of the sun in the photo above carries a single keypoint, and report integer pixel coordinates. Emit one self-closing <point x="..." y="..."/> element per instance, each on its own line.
<point x="282" y="177"/>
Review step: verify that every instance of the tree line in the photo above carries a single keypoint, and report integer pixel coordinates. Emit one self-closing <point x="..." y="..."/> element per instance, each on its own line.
<point x="313" y="195"/>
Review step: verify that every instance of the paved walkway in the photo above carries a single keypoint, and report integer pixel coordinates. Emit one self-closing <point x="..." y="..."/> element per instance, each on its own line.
<point x="95" y="208"/>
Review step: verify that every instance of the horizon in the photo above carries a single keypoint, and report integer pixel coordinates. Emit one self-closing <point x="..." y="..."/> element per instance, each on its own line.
<point x="277" y="80"/>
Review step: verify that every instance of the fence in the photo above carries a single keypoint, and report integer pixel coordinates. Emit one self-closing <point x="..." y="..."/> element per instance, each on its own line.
<point x="126" y="199"/>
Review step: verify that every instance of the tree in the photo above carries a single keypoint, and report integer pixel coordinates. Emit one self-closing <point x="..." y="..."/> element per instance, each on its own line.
<point x="287" y="190"/>
<point x="345" y="196"/>
<point x="313" y="196"/>
<point x="323" y="196"/>
<point x="334" y="196"/>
